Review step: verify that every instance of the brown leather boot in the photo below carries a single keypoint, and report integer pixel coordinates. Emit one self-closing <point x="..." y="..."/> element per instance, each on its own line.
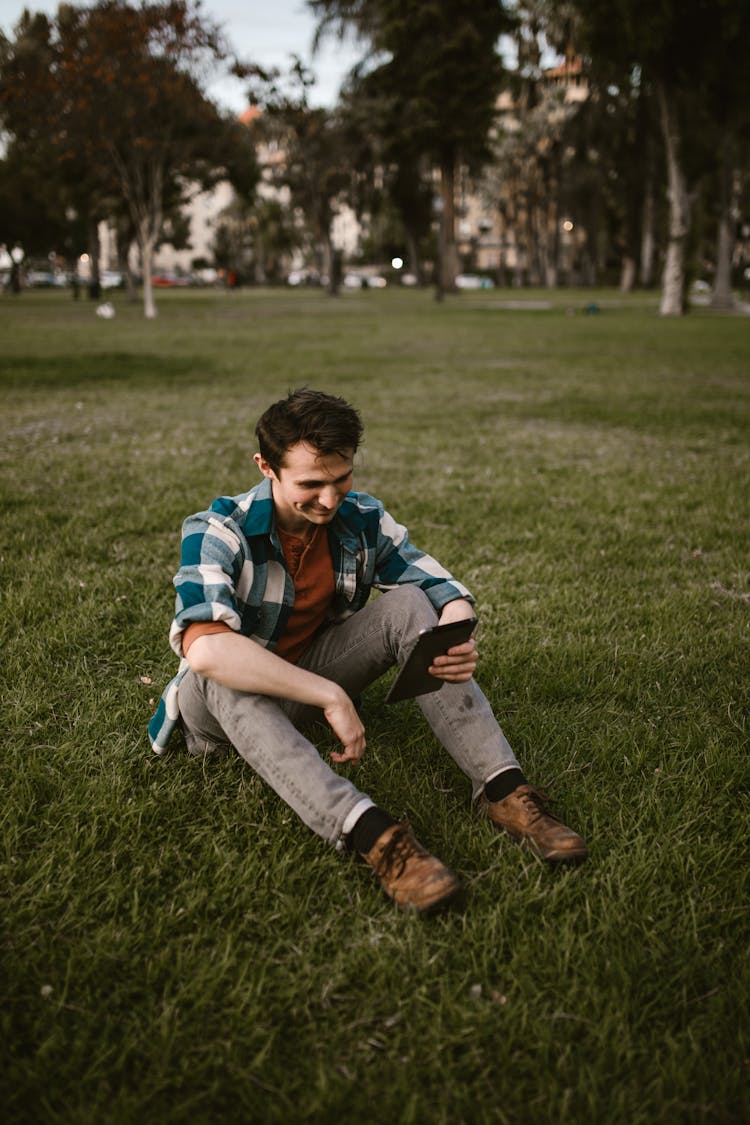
<point x="522" y="814"/>
<point x="413" y="878"/>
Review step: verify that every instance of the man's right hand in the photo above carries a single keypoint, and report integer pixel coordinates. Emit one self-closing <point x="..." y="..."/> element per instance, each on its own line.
<point x="346" y="724"/>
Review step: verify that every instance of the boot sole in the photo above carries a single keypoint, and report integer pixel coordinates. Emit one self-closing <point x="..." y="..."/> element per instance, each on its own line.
<point x="551" y="857"/>
<point x="449" y="898"/>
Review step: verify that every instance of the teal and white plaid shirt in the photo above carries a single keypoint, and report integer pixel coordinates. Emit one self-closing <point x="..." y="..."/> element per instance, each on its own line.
<point x="233" y="570"/>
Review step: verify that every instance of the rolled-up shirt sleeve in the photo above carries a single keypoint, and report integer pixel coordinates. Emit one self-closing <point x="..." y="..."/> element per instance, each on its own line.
<point x="398" y="562"/>
<point x="210" y="565"/>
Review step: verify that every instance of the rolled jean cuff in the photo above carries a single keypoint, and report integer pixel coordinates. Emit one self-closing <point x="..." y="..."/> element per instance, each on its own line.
<point x="496" y="773"/>
<point x="351" y="819"/>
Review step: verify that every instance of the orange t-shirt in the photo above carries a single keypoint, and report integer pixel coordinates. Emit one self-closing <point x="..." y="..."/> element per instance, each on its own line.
<point x="311" y="568"/>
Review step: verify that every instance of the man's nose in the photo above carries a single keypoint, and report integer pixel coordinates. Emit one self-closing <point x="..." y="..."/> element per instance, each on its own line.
<point x="328" y="497"/>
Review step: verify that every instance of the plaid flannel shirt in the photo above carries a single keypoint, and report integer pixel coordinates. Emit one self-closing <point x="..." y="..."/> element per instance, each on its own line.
<point x="233" y="570"/>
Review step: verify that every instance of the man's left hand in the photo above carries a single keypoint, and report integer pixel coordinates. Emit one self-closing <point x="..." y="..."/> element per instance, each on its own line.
<point x="459" y="663"/>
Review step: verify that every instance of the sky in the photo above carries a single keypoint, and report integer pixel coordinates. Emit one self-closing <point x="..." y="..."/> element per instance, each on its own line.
<point x="267" y="32"/>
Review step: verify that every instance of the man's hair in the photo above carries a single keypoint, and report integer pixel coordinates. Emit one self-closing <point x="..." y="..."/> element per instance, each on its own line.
<point x="326" y="422"/>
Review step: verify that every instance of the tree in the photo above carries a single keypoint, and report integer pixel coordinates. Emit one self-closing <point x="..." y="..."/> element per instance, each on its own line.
<point x="32" y="204"/>
<point x="39" y="207"/>
<point x="682" y="48"/>
<point x="728" y="94"/>
<point x="122" y="104"/>
<point x="437" y="68"/>
<point x="391" y="189"/>
<point x="530" y="142"/>
<point x="254" y="242"/>
<point x="315" y="164"/>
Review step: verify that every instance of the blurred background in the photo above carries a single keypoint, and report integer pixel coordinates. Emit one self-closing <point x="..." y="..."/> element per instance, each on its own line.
<point x="365" y="143"/>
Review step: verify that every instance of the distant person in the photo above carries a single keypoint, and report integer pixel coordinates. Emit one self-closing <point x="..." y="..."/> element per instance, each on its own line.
<point x="275" y="626"/>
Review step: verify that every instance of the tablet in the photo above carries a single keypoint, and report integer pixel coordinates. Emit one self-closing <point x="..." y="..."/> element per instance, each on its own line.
<point x="413" y="678"/>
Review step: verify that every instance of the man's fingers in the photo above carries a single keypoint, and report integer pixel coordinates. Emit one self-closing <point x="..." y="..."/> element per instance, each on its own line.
<point x="459" y="654"/>
<point x="457" y="665"/>
<point x="349" y="753"/>
<point x="340" y="758"/>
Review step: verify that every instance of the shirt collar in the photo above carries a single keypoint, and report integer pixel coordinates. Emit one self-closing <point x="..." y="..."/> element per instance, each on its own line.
<point x="260" y="517"/>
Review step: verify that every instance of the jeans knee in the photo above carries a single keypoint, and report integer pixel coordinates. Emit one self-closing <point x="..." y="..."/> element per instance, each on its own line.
<point x="411" y="609"/>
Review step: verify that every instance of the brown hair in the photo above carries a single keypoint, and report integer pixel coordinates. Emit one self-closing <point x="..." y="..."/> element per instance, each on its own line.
<point x="326" y="422"/>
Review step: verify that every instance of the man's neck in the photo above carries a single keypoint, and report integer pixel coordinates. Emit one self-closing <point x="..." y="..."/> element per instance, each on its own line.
<point x="300" y="529"/>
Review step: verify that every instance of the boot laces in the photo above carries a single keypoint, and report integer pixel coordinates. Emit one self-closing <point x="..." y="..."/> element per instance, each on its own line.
<point x="396" y="854"/>
<point x="536" y="801"/>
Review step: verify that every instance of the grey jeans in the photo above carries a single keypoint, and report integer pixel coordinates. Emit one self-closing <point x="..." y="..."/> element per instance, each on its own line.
<point x="266" y="731"/>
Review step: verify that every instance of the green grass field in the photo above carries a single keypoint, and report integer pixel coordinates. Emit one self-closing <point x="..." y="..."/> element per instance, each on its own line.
<point x="176" y="947"/>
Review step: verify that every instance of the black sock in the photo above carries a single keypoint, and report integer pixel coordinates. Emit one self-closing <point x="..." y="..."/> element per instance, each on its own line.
<point x="370" y="826"/>
<point x="503" y="784"/>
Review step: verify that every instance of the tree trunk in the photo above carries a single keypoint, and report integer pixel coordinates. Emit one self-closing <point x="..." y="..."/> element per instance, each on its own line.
<point x="647" y="234"/>
<point x="627" y="274"/>
<point x="673" y="280"/>
<point x="448" y="264"/>
<point x="412" y="254"/>
<point x="143" y="188"/>
<point x="729" y="200"/>
<point x="259" y="264"/>
<point x="331" y="263"/>
<point x="146" y="243"/>
<point x="556" y="240"/>
<point x="95" y="288"/>
<point x="123" y="264"/>
<point x="545" y="262"/>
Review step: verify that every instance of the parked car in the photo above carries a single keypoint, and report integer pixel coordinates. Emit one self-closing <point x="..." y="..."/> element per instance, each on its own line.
<point x="40" y="279"/>
<point x="169" y="280"/>
<point x="474" y="281"/>
<point x="363" y="281"/>
<point x="304" y="277"/>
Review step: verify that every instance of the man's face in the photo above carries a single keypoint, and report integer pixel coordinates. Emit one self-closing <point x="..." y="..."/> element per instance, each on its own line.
<point x="309" y="487"/>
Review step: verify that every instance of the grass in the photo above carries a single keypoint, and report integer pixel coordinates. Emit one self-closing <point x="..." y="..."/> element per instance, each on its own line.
<point x="175" y="946"/>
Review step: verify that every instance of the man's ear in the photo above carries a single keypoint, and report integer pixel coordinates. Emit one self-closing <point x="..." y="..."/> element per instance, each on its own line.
<point x="264" y="467"/>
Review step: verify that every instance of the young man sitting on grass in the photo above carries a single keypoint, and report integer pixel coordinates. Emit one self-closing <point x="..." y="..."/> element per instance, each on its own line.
<point x="275" y="629"/>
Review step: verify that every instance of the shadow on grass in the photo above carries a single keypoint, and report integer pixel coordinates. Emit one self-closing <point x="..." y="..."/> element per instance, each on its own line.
<point x="48" y="372"/>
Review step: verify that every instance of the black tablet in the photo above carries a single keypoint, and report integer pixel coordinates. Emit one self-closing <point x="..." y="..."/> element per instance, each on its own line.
<point x="413" y="678"/>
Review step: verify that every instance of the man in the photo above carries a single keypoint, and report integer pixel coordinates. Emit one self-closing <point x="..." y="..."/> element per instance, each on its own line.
<point x="275" y="629"/>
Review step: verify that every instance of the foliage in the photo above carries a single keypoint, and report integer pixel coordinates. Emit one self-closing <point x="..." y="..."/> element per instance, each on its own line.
<point x="681" y="48"/>
<point x="116" y="92"/>
<point x="32" y="205"/>
<point x="440" y="65"/>
<point x="437" y="73"/>
<point x="255" y="242"/>
<point x="310" y="156"/>
<point x="38" y="199"/>
<point x="391" y="189"/>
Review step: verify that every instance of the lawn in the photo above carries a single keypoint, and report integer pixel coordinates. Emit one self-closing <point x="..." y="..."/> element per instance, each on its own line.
<point x="176" y="947"/>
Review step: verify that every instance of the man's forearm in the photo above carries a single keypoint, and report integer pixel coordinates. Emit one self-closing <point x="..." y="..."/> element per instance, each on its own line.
<point x="457" y="610"/>
<point x="243" y="664"/>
